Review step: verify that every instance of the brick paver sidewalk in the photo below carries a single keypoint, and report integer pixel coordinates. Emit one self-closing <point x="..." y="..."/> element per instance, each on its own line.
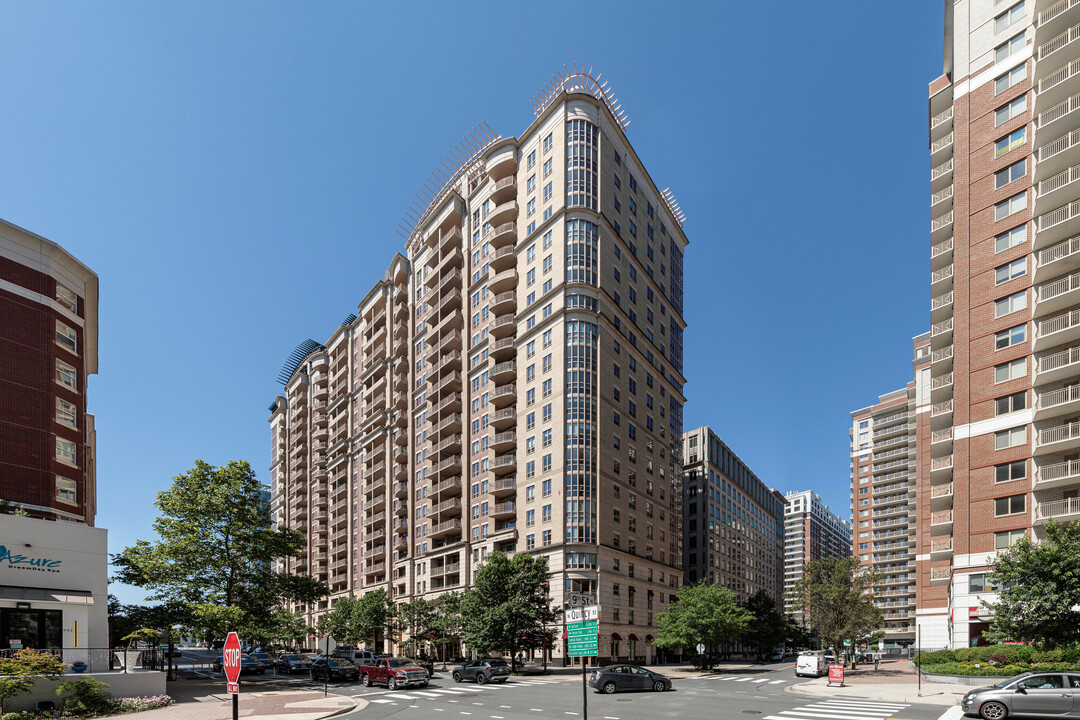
<point x="205" y="701"/>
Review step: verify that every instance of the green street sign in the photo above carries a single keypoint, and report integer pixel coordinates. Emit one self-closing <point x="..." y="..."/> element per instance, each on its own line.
<point x="582" y="637"/>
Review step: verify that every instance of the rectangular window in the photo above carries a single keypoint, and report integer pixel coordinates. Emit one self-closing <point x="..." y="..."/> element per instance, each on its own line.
<point x="530" y="542"/>
<point x="66" y="297"/>
<point x="1010" y="403"/>
<point x="66" y="491"/>
<point x="1010" y="16"/>
<point x="532" y="160"/>
<point x="1006" y="81"/>
<point x="548" y="140"/>
<point x="1010" y="206"/>
<point x="1010" y="142"/>
<point x="66" y="413"/>
<point x="65" y="451"/>
<point x="1010" y="174"/>
<point x="1012" y="45"/>
<point x="65" y="336"/>
<point x="530" y="184"/>
<point x="1011" y="370"/>
<point x="1010" y="337"/>
<point x="1013" y="437"/>
<point x="1010" y="304"/>
<point x="1010" y="238"/>
<point x="1010" y="271"/>
<point x="1010" y="505"/>
<point x="546" y="537"/>
<point x="65" y="375"/>
<point x="1005" y="539"/>
<point x="1007" y="472"/>
<point x="1007" y="112"/>
<point x="547" y="168"/>
<point x="977" y="583"/>
<point x="545" y="516"/>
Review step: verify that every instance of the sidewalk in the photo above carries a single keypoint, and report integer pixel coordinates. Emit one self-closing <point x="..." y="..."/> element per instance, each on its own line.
<point x="895" y="681"/>
<point x="200" y="700"/>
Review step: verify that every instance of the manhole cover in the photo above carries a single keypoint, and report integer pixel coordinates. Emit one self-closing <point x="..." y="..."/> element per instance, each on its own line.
<point x="751" y="712"/>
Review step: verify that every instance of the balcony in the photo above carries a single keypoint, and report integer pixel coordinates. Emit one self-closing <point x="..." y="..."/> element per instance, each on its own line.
<point x="1058" y="438"/>
<point x="450" y="423"/>
<point x="1055" y="12"/>
<point x="941" y="496"/>
<point x="502" y="419"/>
<point x="1057" y="259"/>
<point x="941" y="465"/>
<point x="504" y="213"/>
<point x="504" y="395"/>
<point x="941" y="119"/>
<point x="1057" y="329"/>
<point x="1064" y="510"/>
<point x="941" y="196"/>
<point x="1058" y="366"/>
<point x="504" y="281"/>
<point x="938" y="226"/>
<point x="504" y="303"/>
<point x="938" y="147"/>
<point x="504" y="189"/>
<point x="941" y="253"/>
<point x="503" y="235"/>
<point x="1055" y="87"/>
<point x="504" y="326"/>
<point x="941" y="519"/>
<point x="449" y="446"/>
<point x="503" y="441"/>
<point x="941" y="174"/>
<point x="504" y="464"/>
<point x="1058" y="43"/>
<point x="504" y="258"/>
<point x="1057" y="474"/>
<point x="503" y="486"/>
<point x="450" y="382"/>
<point x="447" y="488"/>
<point x="941" y="387"/>
<point x="503" y="372"/>
<point x="503" y="510"/>
<point x="1055" y="403"/>
<point x="451" y="507"/>
<point x="450" y="465"/>
<point x="940" y="576"/>
<point x="444" y="529"/>
<point x="943" y="356"/>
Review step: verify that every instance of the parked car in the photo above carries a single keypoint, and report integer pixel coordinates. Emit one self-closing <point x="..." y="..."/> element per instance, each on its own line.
<point x="165" y="651"/>
<point x="394" y="673"/>
<point x="248" y="665"/>
<point x="263" y="657"/>
<point x="483" y="671"/>
<point x="614" y="678"/>
<point x="332" y="668"/>
<point x="293" y="662"/>
<point x="1030" y="694"/>
<point x="356" y="657"/>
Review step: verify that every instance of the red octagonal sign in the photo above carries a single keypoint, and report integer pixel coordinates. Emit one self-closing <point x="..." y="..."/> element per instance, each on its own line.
<point x="231" y="659"/>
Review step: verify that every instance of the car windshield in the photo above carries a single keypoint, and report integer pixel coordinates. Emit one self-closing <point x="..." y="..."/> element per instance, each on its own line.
<point x="497" y="663"/>
<point x="1009" y="681"/>
<point x="290" y="658"/>
<point x="402" y="663"/>
<point x="339" y="662"/>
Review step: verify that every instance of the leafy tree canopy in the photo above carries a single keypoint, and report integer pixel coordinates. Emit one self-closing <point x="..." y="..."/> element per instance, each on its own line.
<point x="215" y="550"/>
<point x="703" y="613"/>
<point x="836" y="601"/>
<point x="770" y="627"/>
<point x="1039" y="589"/>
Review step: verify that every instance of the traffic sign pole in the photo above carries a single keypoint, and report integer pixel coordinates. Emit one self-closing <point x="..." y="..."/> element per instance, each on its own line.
<point x="230" y="661"/>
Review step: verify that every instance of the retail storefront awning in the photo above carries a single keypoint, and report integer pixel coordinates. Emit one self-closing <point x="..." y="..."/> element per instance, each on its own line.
<point x="25" y="594"/>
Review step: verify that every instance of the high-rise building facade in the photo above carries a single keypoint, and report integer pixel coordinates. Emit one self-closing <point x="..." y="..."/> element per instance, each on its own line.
<point x="48" y="350"/>
<point x="733" y="523"/>
<point x="886" y="460"/>
<point x="1002" y="405"/>
<point x="811" y="532"/>
<point x="513" y="383"/>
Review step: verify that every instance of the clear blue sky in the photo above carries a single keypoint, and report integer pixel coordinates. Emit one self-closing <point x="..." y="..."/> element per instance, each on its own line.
<point x="234" y="172"/>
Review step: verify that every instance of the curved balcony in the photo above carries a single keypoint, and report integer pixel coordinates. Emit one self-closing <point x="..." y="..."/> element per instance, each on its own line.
<point x="504" y="326"/>
<point x="501" y="442"/>
<point x="504" y="303"/>
<point x="504" y="464"/>
<point x="504" y="281"/>
<point x="503" y="235"/>
<point x="504" y="395"/>
<point x="504" y="189"/>
<point x="502" y="419"/>
<point x="503" y="487"/>
<point x="502" y="163"/>
<point x="503" y="372"/>
<point x="504" y="349"/>
<point x="503" y="510"/>
<point x="507" y="212"/>
<point x="503" y="259"/>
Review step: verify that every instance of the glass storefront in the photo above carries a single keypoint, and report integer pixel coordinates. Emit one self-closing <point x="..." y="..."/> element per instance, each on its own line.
<point x="36" y="629"/>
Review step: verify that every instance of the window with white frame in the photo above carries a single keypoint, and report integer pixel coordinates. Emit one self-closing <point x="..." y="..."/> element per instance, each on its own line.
<point x="66" y="413"/>
<point x="1010" y="271"/>
<point x="65" y="336"/>
<point x="66" y="490"/>
<point x="1010" y="238"/>
<point x="1006" y="81"/>
<point x="65" y="451"/>
<point x="1013" y="45"/>
<point x="1010" y="370"/>
<point x="1010" y="206"/>
<point x="1010" y="337"/>
<point x="1008" y="111"/>
<point x="1010" y="304"/>
<point x="66" y="297"/>
<point x="1009" y="17"/>
<point x="1012" y="173"/>
<point x="66" y="376"/>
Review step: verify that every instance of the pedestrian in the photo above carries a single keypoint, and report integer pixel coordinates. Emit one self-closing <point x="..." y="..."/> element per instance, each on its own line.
<point x="877" y="659"/>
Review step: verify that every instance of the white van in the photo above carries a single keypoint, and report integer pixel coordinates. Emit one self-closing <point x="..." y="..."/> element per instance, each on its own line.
<point x="811" y="663"/>
<point x="357" y="657"/>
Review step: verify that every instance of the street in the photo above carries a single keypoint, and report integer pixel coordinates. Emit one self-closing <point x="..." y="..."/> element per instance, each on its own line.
<point x="754" y="691"/>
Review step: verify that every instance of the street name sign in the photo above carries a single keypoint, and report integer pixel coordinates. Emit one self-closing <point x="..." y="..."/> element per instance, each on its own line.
<point x="581" y="600"/>
<point x="582" y="638"/>
<point x="583" y="614"/>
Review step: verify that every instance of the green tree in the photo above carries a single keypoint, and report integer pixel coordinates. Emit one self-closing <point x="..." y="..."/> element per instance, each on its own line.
<point x="448" y="624"/>
<point x="417" y="618"/>
<point x="339" y="623"/>
<point x="703" y="613"/>
<point x="769" y="628"/>
<point x="508" y="606"/>
<point x="1039" y="589"/>
<point x="836" y="601"/>
<point x="375" y="617"/>
<point x="18" y="672"/>
<point x="215" y="550"/>
<point x="289" y="627"/>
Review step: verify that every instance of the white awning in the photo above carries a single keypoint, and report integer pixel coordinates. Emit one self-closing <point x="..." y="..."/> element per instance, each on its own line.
<point x="25" y="594"/>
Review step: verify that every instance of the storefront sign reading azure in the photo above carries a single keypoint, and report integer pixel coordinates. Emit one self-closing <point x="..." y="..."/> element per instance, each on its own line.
<point x="25" y="562"/>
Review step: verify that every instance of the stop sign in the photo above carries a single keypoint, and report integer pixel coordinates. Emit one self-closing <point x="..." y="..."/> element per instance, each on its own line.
<point x="231" y="658"/>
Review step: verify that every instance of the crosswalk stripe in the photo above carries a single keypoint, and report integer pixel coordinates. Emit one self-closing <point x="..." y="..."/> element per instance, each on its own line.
<point x="399" y="696"/>
<point x="867" y="704"/>
<point x="425" y="694"/>
<point x="846" y="710"/>
<point x="382" y="701"/>
<point x="449" y="692"/>
<point x="811" y="714"/>
<point x="774" y="682"/>
<point x="744" y="679"/>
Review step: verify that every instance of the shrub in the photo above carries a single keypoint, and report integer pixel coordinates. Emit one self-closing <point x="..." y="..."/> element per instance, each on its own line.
<point x="1047" y="656"/>
<point x="133" y="704"/>
<point x="86" y="696"/>
<point x="935" y="657"/>
<point x="1071" y="654"/>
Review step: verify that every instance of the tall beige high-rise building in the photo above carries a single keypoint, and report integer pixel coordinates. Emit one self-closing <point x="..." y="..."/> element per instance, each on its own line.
<point x="514" y="383"/>
<point x="811" y="532"/>
<point x="1000" y="404"/>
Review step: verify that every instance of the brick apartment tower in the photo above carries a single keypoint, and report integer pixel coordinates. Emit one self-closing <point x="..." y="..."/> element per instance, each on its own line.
<point x="1002" y="410"/>
<point x="513" y="383"/>
<point x="733" y="523"/>
<point x="885" y="461"/>
<point x="48" y="349"/>
<point x="811" y="532"/>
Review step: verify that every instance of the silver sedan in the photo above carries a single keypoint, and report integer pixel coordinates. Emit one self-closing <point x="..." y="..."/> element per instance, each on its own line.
<point x="1031" y="694"/>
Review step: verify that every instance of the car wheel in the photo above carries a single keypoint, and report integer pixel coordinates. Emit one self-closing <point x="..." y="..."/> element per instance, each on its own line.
<point x="659" y="686"/>
<point x="391" y="683"/>
<point x="993" y="711"/>
<point x="481" y="678"/>
<point x="367" y="680"/>
<point x="424" y="684"/>
<point x="457" y="676"/>
<point x="609" y="688"/>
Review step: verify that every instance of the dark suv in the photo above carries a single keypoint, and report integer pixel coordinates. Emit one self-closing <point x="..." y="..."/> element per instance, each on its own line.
<point x="334" y="669"/>
<point x="482" y="671"/>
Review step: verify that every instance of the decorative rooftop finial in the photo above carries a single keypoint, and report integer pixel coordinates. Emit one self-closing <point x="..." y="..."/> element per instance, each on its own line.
<point x="673" y="206"/>
<point x="581" y="80"/>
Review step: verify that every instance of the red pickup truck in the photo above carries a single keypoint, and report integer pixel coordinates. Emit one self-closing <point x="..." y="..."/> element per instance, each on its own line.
<point x="393" y="673"/>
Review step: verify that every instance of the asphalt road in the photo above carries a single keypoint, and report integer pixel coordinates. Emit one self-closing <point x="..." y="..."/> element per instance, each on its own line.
<point x="754" y="693"/>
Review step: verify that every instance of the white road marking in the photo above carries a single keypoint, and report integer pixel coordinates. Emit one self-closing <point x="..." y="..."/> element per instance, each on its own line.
<point x="425" y="694"/>
<point x="953" y="713"/>
<point x="745" y="679"/>
<point x="382" y="701"/>
<point x="774" y="682"/>
<point x="808" y="714"/>
<point x="400" y="696"/>
<point x="867" y="705"/>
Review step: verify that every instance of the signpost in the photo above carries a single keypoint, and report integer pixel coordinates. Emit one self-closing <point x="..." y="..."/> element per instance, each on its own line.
<point x="700" y="648"/>
<point x="582" y="626"/>
<point x="231" y="662"/>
